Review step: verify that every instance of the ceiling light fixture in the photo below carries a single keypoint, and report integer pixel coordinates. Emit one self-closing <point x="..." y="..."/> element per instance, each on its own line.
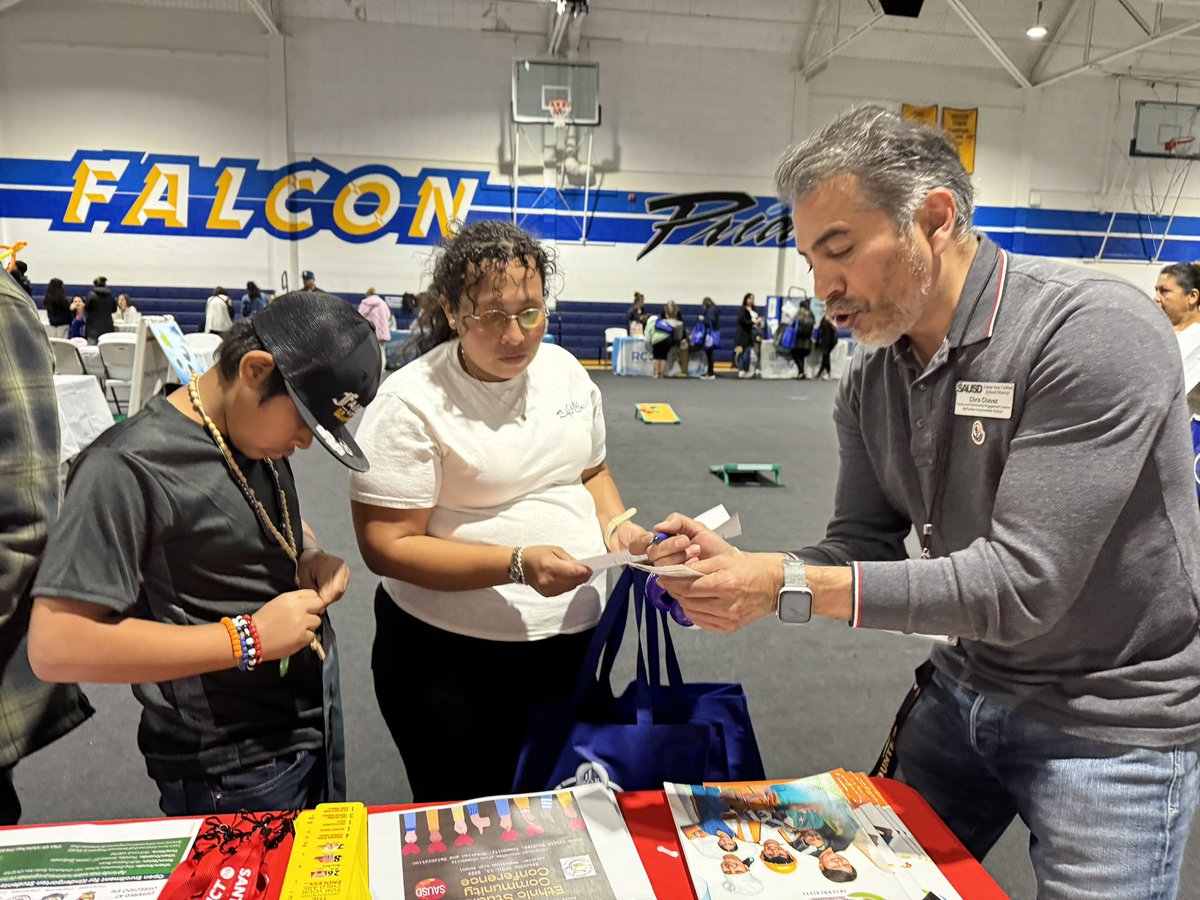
<point x="1037" y="30"/>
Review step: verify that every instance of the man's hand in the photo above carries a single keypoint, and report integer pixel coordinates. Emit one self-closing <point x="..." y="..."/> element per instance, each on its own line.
<point x="734" y="589"/>
<point x="690" y="540"/>
<point x="327" y="575"/>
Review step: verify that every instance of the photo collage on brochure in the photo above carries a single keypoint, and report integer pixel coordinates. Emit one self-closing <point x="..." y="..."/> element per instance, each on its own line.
<point x="827" y="837"/>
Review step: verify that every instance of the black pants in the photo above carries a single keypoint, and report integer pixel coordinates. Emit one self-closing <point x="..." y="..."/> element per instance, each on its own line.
<point x="708" y="352"/>
<point x="10" y="803"/>
<point x="826" y="365"/>
<point x="798" y="357"/>
<point x="458" y="707"/>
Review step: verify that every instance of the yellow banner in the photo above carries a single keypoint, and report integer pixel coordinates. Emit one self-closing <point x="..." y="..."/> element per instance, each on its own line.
<point x="910" y="112"/>
<point x="961" y="125"/>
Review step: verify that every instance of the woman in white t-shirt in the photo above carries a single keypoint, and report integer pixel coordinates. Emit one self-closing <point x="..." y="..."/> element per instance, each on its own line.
<point x="487" y="483"/>
<point x="1177" y="292"/>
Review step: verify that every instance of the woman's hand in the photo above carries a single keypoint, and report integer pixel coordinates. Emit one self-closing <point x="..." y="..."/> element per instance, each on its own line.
<point x="626" y="534"/>
<point x="552" y="570"/>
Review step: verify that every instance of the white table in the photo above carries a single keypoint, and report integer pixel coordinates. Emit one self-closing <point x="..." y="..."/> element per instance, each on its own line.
<point x="126" y="327"/>
<point x="631" y="356"/>
<point x="82" y="413"/>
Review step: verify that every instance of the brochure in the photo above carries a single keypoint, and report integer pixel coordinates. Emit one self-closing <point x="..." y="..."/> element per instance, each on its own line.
<point x="93" y="862"/>
<point x="571" y="844"/>
<point x="797" y="839"/>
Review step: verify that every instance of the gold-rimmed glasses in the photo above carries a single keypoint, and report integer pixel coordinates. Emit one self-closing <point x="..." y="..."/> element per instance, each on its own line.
<point x="495" y="320"/>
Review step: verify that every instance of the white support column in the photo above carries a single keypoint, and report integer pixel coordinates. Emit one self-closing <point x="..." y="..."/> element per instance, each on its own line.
<point x="281" y="253"/>
<point x="787" y="260"/>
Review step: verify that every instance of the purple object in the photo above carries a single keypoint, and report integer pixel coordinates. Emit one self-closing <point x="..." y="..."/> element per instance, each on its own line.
<point x="658" y="597"/>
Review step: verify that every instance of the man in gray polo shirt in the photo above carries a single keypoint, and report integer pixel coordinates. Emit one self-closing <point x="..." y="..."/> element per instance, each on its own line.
<point x="1050" y="482"/>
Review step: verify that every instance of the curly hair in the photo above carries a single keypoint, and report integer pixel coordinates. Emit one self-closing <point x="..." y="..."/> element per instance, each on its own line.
<point x="471" y="261"/>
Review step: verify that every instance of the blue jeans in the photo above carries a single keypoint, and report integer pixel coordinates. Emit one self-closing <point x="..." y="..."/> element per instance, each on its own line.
<point x="292" y="781"/>
<point x="1106" y="821"/>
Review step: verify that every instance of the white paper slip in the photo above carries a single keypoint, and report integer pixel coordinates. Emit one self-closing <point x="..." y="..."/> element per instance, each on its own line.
<point x="671" y="571"/>
<point x="717" y="519"/>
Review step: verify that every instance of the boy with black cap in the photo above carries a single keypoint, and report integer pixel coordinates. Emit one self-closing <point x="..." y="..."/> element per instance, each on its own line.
<point x="181" y="566"/>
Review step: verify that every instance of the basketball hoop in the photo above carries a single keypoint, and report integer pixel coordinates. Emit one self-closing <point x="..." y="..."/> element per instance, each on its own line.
<point x="559" y="110"/>
<point x="1175" y="143"/>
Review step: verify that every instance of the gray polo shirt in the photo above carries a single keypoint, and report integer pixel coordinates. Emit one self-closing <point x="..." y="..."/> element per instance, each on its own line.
<point x="1065" y="533"/>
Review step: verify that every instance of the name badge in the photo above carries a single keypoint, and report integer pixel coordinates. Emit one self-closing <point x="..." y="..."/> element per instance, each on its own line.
<point x="985" y="399"/>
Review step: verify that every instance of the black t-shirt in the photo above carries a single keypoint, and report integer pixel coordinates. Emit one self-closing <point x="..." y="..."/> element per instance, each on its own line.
<point x="154" y="526"/>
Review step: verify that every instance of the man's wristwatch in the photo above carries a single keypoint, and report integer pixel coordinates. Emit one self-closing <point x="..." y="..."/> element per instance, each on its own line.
<point x="795" y="597"/>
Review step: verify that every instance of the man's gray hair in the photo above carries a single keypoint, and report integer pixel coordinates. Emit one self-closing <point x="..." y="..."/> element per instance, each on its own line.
<point x="897" y="164"/>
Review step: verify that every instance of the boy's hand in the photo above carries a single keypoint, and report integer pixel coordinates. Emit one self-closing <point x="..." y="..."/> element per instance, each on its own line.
<point x="289" y="623"/>
<point x="327" y="575"/>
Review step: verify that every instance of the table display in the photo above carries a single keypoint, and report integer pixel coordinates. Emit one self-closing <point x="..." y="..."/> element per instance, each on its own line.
<point x="646" y="818"/>
<point x="83" y="413"/>
<point x="631" y="356"/>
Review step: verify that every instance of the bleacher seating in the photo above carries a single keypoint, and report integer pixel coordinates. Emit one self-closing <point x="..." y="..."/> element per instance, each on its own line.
<point x="576" y="325"/>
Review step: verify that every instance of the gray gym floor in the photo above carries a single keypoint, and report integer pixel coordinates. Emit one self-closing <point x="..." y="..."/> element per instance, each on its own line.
<point x="97" y="772"/>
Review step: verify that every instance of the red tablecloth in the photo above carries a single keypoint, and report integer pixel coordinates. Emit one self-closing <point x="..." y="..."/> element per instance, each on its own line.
<point x="649" y="820"/>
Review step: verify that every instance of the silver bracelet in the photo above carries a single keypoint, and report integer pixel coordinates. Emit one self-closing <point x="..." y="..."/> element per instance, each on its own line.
<point x="516" y="572"/>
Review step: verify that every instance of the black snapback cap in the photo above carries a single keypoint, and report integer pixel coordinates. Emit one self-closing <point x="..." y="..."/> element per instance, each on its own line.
<point x="328" y="356"/>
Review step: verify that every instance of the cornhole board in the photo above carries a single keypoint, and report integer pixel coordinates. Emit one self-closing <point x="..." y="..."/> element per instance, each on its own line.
<point x="656" y="413"/>
<point x="749" y="473"/>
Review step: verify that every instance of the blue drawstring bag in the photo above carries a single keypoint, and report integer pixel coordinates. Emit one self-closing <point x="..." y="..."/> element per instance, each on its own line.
<point x="698" y="335"/>
<point x="788" y="340"/>
<point x="651" y="733"/>
<point x="1196" y="452"/>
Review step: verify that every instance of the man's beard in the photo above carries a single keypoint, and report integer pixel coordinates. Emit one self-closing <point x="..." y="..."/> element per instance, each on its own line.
<point x="896" y="317"/>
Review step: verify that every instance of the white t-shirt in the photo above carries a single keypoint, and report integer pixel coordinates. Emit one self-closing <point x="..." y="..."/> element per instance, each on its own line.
<point x="216" y="314"/>
<point x="439" y="439"/>
<point x="1189" y="349"/>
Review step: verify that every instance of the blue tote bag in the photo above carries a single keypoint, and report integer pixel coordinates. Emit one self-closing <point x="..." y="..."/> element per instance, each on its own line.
<point x="652" y="732"/>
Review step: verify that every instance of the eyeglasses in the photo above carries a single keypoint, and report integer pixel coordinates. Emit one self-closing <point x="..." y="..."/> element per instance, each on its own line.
<point x="496" y="321"/>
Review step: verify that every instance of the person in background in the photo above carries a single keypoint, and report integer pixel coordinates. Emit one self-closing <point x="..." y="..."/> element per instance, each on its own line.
<point x="678" y="351"/>
<point x="636" y="315"/>
<point x="310" y="280"/>
<point x="127" y="313"/>
<point x="375" y="310"/>
<point x="805" y="323"/>
<point x="747" y="336"/>
<point x="1177" y="293"/>
<point x="253" y="300"/>
<point x="19" y="274"/>
<point x="711" y="317"/>
<point x="58" y="309"/>
<point x="218" y="312"/>
<point x="488" y="481"/>
<point x="200" y="568"/>
<point x="78" y="325"/>
<point x="98" y="310"/>
<point x="32" y="712"/>
<point x="1051" y="482"/>
<point x="825" y="340"/>
<point x="662" y="337"/>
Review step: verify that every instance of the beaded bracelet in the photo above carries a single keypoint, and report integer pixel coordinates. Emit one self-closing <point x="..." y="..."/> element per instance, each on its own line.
<point x="250" y="654"/>
<point x="233" y="638"/>
<point x="617" y="521"/>
<point x="258" y="651"/>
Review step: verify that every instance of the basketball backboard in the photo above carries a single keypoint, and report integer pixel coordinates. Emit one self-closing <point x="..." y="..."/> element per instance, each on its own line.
<point x="1166" y="130"/>
<point x="538" y="84"/>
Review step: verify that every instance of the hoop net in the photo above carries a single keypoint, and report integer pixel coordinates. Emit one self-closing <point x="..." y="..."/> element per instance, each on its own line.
<point x="559" y="110"/>
<point x="1178" y="143"/>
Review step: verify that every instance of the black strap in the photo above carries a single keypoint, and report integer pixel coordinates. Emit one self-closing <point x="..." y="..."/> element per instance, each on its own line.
<point x="886" y="764"/>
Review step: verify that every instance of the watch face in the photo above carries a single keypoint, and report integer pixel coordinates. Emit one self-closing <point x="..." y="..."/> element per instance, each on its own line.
<point x="795" y="606"/>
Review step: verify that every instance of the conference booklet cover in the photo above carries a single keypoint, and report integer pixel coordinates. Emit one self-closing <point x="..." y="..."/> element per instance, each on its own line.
<point x="571" y="844"/>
